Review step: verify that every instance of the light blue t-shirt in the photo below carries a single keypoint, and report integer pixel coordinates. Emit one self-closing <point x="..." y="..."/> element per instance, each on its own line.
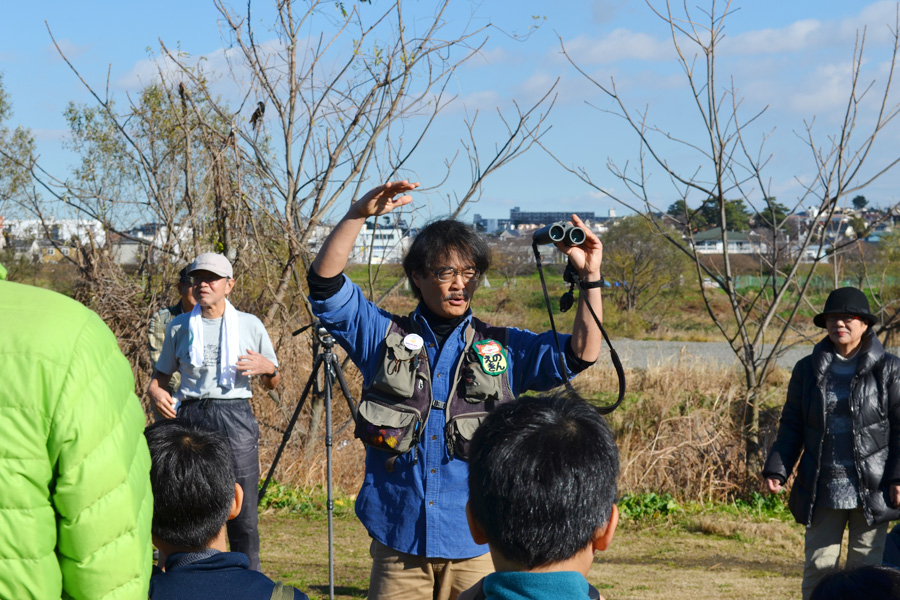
<point x="203" y="381"/>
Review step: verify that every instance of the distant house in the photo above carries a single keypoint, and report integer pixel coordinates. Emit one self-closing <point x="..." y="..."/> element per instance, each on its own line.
<point x="490" y="225"/>
<point x="813" y="252"/>
<point x="710" y="242"/>
<point x="518" y="217"/>
<point x="128" y="252"/>
<point x="42" y="251"/>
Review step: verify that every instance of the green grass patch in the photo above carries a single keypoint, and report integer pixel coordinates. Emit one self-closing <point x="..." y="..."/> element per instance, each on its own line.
<point x="307" y="502"/>
<point x="648" y="505"/>
<point x="763" y="506"/>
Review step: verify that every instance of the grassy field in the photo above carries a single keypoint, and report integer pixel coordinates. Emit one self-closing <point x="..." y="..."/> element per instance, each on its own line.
<point x="708" y="554"/>
<point x="679" y="432"/>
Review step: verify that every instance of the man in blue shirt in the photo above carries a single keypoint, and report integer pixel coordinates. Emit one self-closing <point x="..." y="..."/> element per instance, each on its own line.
<point x="428" y="380"/>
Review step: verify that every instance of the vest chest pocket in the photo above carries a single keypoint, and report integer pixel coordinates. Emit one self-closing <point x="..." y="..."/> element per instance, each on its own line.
<point x="478" y="386"/>
<point x="397" y="373"/>
<point x="387" y="426"/>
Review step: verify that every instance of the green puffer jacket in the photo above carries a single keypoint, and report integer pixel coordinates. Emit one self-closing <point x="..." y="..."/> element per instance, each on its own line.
<point x="75" y="503"/>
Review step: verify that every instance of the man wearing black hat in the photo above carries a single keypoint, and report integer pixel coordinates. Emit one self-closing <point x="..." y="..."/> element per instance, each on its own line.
<point x="843" y="414"/>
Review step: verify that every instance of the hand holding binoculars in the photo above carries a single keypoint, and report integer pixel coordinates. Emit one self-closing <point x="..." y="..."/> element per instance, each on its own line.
<point x="564" y="232"/>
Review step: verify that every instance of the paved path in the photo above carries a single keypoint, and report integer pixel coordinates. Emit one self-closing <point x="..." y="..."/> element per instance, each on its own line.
<point x="646" y="354"/>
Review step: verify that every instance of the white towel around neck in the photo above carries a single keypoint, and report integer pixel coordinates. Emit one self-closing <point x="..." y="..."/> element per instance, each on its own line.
<point x="230" y="343"/>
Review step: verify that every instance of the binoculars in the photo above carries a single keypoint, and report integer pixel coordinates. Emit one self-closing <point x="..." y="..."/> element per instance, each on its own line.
<point x="564" y="232"/>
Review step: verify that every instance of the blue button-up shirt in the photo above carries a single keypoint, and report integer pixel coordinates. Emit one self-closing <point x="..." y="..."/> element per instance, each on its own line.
<point x="420" y="506"/>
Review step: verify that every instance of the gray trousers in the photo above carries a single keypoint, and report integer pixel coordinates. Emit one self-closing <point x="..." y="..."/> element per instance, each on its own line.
<point x="234" y="419"/>
<point x="823" y="543"/>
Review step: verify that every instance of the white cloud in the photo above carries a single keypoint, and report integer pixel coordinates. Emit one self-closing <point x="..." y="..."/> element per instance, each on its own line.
<point x="223" y="67"/>
<point x="484" y="100"/>
<point x="795" y="37"/>
<point x="813" y="34"/>
<point x="878" y="18"/>
<point x="823" y="90"/>
<point x="620" y="44"/>
<point x="70" y="49"/>
<point x="535" y="86"/>
<point x="807" y="34"/>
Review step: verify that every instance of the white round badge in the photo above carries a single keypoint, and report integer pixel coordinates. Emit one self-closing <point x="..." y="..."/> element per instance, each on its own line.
<point x="413" y="341"/>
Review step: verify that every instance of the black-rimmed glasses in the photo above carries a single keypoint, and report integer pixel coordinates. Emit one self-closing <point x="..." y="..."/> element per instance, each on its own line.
<point x="446" y="274"/>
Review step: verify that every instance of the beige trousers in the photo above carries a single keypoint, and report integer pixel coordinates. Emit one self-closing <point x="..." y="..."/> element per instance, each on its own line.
<point x="399" y="576"/>
<point x="823" y="543"/>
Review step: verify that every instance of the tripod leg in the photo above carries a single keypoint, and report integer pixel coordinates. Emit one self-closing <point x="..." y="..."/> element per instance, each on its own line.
<point x="345" y="389"/>
<point x="290" y="427"/>
<point x="329" y="371"/>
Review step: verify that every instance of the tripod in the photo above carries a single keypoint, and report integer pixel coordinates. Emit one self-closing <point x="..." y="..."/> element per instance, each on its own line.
<point x="323" y="356"/>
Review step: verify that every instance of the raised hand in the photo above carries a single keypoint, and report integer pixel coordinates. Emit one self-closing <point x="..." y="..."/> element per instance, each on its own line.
<point x="587" y="257"/>
<point x="383" y="199"/>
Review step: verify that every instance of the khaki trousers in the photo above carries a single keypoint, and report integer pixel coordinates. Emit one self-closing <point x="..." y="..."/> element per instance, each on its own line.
<point x="399" y="576"/>
<point x="823" y="543"/>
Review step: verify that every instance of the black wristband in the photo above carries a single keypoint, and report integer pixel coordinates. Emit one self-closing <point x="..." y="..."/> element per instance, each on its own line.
<point x="589" y="285"/>
<point x="273" y="373"/>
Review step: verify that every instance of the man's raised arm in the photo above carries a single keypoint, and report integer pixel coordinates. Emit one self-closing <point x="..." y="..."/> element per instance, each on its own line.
<point x="586" y="259"/>
<point x="335" y="251"/>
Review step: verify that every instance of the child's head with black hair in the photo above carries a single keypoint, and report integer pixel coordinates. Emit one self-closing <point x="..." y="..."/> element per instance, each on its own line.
<point x="861" y="583"/>
<point x="193" y="482"/>
<point x="542" y="484"/>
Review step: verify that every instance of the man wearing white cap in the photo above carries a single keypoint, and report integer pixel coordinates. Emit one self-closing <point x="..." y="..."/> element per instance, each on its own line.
<point x="217" y="349"/>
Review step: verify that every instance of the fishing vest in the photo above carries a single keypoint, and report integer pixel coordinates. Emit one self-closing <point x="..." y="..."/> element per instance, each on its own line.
<point x="395" y="406"/>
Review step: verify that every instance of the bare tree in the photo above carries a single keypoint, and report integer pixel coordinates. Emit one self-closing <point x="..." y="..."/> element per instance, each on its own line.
<point x="758" y="324"/>
<point x="16" y="157"/>
<point x="642" y="261"/>
<point x="877" y="269"/>
<point x="338" y="119"/>
<point x="511" y="258"/>
<point x="251" y="160"/>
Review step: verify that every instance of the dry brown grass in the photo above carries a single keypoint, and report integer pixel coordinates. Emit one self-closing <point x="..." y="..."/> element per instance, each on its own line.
<point x="679" y="429"/>
<point x="303" y="462"/>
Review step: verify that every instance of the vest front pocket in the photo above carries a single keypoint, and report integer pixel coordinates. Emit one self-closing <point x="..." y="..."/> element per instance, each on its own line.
<point x="397" y="373"/>
<point x="386" y="425"/>
<point x="460" y="432"/>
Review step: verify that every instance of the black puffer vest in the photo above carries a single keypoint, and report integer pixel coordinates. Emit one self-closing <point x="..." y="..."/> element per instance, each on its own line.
<point x="394" y="408"/>
<point x="875" y="410"/>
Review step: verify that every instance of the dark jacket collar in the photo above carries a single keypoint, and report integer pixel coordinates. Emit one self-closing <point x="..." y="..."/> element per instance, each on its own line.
<point x="180" y="559"/>
<point x="870" y="352"/>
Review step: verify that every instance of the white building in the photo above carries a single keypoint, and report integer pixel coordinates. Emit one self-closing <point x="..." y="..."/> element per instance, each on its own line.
<point x="60" y="230"/>
<point x="384" y="243"/>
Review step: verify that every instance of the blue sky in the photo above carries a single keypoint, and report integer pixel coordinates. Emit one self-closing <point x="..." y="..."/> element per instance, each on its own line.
<point x="793" y="57"/>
